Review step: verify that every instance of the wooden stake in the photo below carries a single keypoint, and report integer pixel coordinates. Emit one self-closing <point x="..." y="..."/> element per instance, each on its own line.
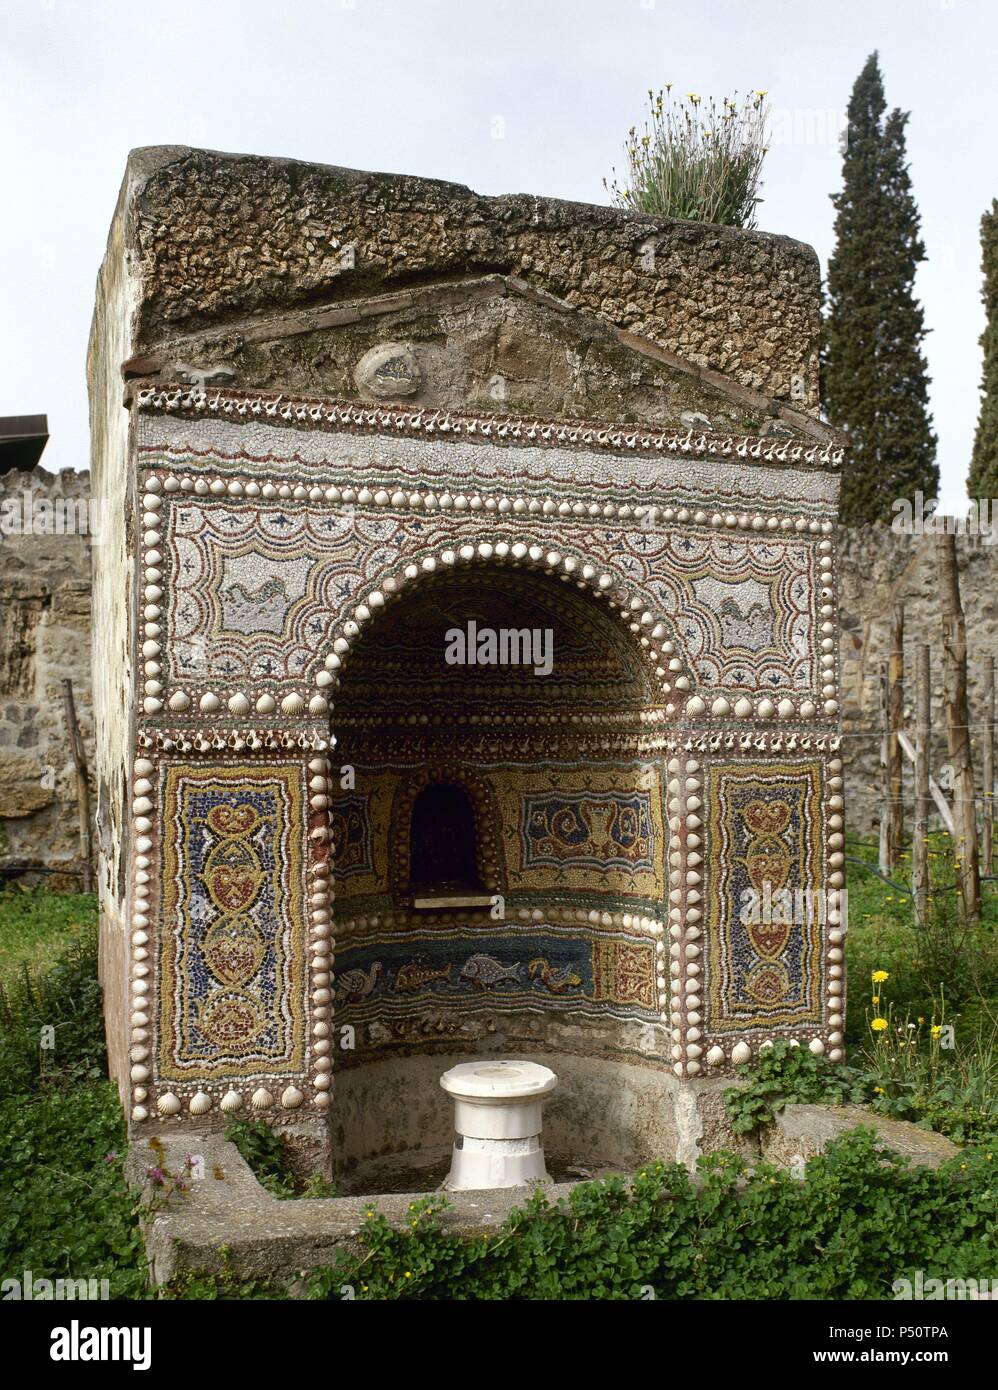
<point x="82" y="784"/>
<point x="987" y="844"/>
<point x="920" y="837"/>
<point x="895" y="720"/>
<point x="958" y="727"/>
<point x="886" y="830"/>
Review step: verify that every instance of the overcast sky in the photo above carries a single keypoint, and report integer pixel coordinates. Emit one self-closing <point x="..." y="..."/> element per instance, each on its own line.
<point x="508" y="96"/>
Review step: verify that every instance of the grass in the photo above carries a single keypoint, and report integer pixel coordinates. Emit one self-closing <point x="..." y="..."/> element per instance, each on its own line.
<point x="945" y="972"/>
<point x="35" y="927"/>
<point x="66" y="1211"/>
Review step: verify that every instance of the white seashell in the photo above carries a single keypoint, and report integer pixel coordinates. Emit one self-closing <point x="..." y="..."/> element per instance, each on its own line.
<point x="292" y="1098"/>
<point x="740" y="1053"/>
<point x="231" y="1101"/>
<point x="765" y="709"/>
<point x="168" y="1104"/>
<point x="318" y="705"/>
<point x="143" y="767"/>
<point x="179" y="700"/>
<point x="262" y="1099"/>
<point x="743" y="708"/>
<point x="200" y="1103"/>
<point x="238" y="704"/>
<point x="715" y="1056"/>
<point x="292" y="704"/>
<point x="694" y="706"/>
<point x="266" y="704"/>
<point x="209" y="702"/>
<point x="139" y="1112"/>
<point x="720" y="707"/>
<point x="816" y="1046"/>
<point x="807" y="710"/>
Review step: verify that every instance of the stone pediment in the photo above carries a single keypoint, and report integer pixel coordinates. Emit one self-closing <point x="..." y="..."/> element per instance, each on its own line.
<point x="487" y="343"/>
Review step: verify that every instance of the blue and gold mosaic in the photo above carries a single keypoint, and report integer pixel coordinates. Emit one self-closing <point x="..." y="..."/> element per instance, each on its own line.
<point x="542" y="967"/>
<point x="232" y="953"/>
<point x="765" y="846"/>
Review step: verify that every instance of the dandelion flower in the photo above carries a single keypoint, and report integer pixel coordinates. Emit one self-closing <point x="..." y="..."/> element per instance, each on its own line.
<point x="878" y="1025"/>
<point x="879" y="976"/>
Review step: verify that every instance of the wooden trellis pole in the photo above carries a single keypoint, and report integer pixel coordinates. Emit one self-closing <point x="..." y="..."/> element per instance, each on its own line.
<point x="886" y="827"/>
<point x="895" y="721"/>
<point x="988" y="838"/>
<point x="958" y="727"/>
<point x="82" y="785"/>
<point x="920" y="836"/>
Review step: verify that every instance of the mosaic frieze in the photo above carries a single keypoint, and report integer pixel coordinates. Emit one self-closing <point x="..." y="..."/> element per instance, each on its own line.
<point x="428" y="448"/>
<point x="232" y="948"/>
<point x="543" y="968"/>
<point x="575" y="827"/>
<point x="255" y="592"/>
<point x="766" y="906"/>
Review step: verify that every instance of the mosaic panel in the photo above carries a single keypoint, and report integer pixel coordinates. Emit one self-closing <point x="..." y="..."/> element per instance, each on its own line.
<point x="252" y="588"/>
<point x="542" y="968"/>
<point x="764" y="846"/>
<point x="744" y="608"/>
<point x="601" y="830"/>
<point x="232" y="948"/>
<point x="593" y="830"/>
<point x="352" y="847"/>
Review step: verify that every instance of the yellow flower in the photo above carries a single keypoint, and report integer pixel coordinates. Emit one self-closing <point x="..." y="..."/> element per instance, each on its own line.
<point x="936" y="1030"/>
<point x="878" y="1025"/>
<point x="879" y="976"/>
<point x="876" y="999"/>
<point x="879" y="1091"/>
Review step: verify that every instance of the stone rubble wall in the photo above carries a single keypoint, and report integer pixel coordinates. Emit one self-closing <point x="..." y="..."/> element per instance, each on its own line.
<point x="45" y="599"/>
<point x="44" y="638"/>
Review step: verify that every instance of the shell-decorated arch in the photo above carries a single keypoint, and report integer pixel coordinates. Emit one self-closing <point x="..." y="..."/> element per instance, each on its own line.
<point x="273" y="539"/>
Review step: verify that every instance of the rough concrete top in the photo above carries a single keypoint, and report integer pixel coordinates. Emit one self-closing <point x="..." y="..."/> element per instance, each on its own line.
<point x="215" y="239"/>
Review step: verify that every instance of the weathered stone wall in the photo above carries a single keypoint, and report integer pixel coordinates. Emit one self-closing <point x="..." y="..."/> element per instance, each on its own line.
<point x="44" y="638"/>
<point x="878" y="569"/>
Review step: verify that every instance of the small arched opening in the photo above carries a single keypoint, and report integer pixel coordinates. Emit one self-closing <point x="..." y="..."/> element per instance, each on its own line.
<point x="443" y="844"/>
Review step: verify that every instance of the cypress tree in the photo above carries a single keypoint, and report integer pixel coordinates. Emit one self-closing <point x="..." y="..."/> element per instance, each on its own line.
<point x="874" y="374"/>
<point x="982" y="481"/>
